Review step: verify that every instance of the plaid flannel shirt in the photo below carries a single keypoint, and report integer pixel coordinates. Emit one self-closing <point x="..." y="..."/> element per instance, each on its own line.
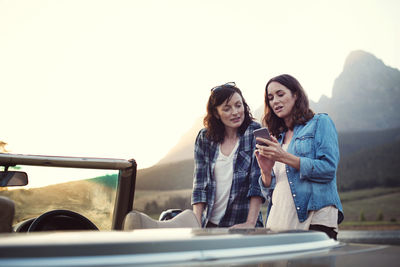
<point x="245" y="178"/>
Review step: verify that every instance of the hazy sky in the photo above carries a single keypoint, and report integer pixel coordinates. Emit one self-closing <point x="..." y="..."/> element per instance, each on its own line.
<point x="127" y="78"/>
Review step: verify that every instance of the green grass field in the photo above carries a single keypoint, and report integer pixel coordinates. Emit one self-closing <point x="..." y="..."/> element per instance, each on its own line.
<point x="369" y="208"/>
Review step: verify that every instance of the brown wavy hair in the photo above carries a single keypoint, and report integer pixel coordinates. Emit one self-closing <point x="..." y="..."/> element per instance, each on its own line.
<point x="301" y="112"/>
<point x="215" y="127"/>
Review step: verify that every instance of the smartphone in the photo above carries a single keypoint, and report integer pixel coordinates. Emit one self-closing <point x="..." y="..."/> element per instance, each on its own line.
<point x="263" y="133"/>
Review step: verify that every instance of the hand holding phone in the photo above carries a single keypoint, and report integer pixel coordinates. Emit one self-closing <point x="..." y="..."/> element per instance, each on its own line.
<point x="263" y="133"/>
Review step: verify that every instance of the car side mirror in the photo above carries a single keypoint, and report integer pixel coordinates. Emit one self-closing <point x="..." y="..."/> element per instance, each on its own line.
<point x="13" y="178"/>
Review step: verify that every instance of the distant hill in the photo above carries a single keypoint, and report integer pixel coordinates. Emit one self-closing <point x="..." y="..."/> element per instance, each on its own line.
<point x="172" y="176"/>
<point x="369" y="168"/>
<point x="365" y="96"/>
<point x="109" y="180"/>
<point x="351" y="142"/>
<point x="363" y="156"/>
<point x="368" y="159"/>
<point x="184" y="149"/>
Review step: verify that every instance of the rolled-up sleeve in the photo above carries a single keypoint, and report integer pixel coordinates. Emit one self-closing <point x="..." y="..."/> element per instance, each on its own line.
<point x="255" y="173"/>
<point x="265" y="190"/>
<point x="199" y="193"/>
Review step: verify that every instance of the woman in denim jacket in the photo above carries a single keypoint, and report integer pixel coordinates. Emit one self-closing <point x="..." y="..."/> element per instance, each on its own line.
<point x="226" y="192"/>
<point x="298" y="167"/>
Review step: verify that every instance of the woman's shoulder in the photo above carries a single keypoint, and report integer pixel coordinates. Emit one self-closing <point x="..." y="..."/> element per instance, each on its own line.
<point x="203" y="138"/>
<point x="318" y="120"/>
<point x="202" y="133"/>
<point x="319" y="117"/>
<point x="253" y="125"/>
<point x="322" y="117"/>
<point x="322" y="121"/>
<point x="248" y="134"/>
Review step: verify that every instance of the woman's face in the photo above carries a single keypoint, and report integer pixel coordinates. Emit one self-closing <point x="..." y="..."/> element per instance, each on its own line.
<point x="231" y="112"/>
<point x="281" y="100"/>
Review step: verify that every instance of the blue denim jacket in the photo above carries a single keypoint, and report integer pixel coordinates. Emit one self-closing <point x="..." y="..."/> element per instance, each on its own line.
<point x="314" y="186"/>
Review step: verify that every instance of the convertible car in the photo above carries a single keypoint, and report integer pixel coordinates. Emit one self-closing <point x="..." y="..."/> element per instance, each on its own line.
<point x="55" y="231"/>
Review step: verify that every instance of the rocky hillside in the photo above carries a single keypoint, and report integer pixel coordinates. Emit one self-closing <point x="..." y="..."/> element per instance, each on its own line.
<point x="365" y="95"/>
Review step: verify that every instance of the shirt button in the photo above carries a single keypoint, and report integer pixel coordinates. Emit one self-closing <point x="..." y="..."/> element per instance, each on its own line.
<point x="290" y="183"/>
<point x="298" y="208"/>
<point x="294" y="195"/>
<point x="287" y="170"/>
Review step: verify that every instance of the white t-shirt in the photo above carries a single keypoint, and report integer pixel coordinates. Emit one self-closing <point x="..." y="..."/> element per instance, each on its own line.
<point x="223" y="174"/>
<point x="283" y="215"/>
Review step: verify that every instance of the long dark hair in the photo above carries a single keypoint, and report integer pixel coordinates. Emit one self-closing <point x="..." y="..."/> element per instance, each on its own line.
<point x="215" y="127"/>
<point x="301" y="112"/>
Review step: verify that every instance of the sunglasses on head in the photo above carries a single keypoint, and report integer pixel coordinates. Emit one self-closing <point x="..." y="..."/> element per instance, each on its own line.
<point x="230" y="84"/>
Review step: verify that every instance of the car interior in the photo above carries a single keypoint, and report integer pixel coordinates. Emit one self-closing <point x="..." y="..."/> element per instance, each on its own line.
<point x="64" y="220"/>
<point x="7" y="214"/>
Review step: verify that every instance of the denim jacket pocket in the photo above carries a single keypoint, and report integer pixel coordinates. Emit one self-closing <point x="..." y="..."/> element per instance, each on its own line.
<point x="303" y="146"/>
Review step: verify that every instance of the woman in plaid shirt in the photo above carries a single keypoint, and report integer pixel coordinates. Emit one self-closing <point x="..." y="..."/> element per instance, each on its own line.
<point x="226" y="192"/>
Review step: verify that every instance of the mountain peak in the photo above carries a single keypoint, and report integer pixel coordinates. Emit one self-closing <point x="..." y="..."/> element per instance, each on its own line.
<point x="360" y="59"/>
<point x="363" y="76"/>
<point x="365" y="86"/>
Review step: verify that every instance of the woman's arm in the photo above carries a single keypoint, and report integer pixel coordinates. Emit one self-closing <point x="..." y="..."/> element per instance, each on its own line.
<point x="265" y="161"/>
<point x="290" y="159"/>
<point x="266" y="178"/>
<point x="254" y="192"/>
<point x="252" y="216"/>
<point x="198" y="210"/>
<point x="199" y="193"/>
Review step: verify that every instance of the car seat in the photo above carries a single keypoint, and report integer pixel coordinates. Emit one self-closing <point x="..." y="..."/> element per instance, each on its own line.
<point x="7" y="209"/>
<point x="138" y="220"/>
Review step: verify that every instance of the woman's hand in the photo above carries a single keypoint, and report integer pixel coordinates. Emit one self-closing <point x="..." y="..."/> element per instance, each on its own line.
<point x="271" y="150"/>
<point x="198" y="210"/>
<point x="274" y="152"/>
<point x="252" y="216"/>
<point x="266" y="164"/>
<point x="265" y="158"/>
<point x="242" y="225"/>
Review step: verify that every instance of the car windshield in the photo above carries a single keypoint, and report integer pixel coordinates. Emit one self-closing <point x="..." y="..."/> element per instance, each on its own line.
<point x="88" y="192"/>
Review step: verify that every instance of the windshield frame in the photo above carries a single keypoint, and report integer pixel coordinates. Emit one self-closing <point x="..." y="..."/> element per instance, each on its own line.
<point x="126" y="176"/>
